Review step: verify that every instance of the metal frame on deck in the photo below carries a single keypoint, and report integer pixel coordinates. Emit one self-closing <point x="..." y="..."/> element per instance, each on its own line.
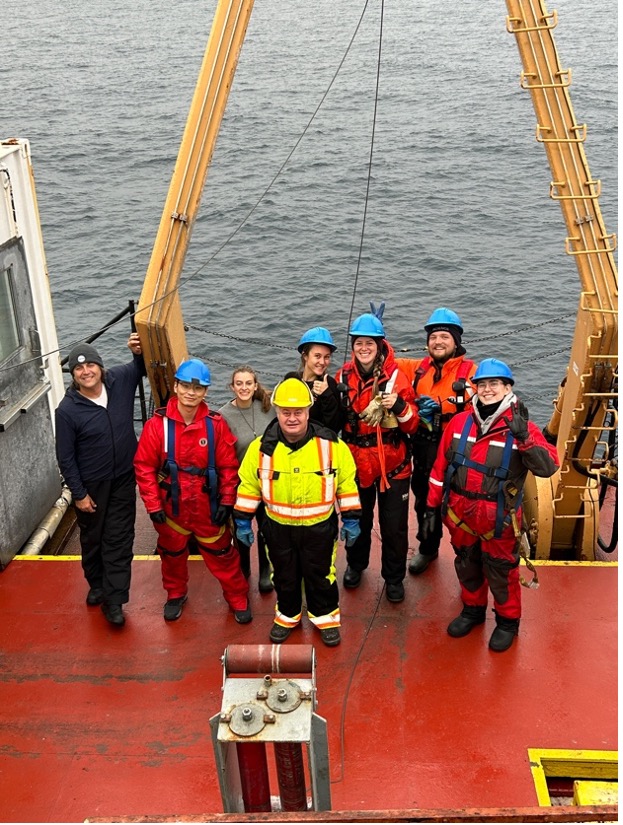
<point x="270" y="709"/>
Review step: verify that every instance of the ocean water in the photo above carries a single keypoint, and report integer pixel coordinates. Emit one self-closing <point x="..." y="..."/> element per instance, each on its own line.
<point x="458" y="212"/>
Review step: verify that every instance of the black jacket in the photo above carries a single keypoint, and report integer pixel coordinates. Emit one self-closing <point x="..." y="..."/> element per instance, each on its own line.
<point x="327" y="408"/>
<point x="95" y="443"/>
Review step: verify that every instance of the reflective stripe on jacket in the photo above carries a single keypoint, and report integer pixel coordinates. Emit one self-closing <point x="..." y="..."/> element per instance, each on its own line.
<point x="191" y="450"/>
<point x="300" y="486"/>
<point x="473" y="494"/>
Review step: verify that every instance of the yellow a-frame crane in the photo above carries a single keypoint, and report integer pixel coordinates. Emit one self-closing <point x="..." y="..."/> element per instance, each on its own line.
<point x="563" y="512"/>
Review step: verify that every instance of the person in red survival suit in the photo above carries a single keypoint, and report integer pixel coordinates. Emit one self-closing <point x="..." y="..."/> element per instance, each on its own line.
<point x="380" y="416"/>
<point x="477" y="479"/>
<point x="187" y="475"/>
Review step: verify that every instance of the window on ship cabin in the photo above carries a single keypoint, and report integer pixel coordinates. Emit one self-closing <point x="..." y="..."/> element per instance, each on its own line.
<point x="9" y="335"/>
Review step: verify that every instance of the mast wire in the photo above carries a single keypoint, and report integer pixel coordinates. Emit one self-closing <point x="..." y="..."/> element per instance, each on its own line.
<point x="234" y="232"/>
<point x="367" y="198"/>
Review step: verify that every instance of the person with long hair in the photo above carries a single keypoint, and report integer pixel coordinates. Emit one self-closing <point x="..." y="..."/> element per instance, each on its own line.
<point x="248" y="414"/>
<point x="380" y="417"/>
<point x="316" y="348"/>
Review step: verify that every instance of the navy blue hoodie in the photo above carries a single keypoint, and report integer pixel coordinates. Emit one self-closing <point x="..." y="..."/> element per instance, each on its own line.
<point x="95" y="443"/>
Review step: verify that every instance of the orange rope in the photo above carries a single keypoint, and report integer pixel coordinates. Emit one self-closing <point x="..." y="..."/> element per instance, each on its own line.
<point x="384" y="485"/>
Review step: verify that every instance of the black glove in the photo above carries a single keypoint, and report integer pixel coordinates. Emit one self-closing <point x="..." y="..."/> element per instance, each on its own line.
<point x="518" y="424"/>
<point x="223" y="512"/>
<point x="429" y="522"/>
<point x="399" y="407"/>
<point x="159" y="517"/>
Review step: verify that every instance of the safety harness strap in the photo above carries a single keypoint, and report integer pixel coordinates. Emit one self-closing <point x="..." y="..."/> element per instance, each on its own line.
<point x="173" y="469"/>
<point x="506" y="462"/>
<point x="501" y="473"/>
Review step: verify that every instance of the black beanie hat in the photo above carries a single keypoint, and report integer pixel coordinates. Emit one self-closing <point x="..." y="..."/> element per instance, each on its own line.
<point x="453" y="330"/>
<point x="84" y="354"/>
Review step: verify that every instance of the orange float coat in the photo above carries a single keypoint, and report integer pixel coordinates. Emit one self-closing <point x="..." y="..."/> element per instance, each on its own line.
<point x="436" y="380"/>
<point x="392" y="456"/>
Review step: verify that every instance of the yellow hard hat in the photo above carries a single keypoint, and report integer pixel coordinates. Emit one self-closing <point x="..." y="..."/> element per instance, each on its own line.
<point x="292" y="393"/>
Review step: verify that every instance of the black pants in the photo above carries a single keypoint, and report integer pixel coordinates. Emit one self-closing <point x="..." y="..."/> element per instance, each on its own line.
<point x="394" y="526"/>
<point x="303" y="554"/>
<point x="107" y="537"/>
<point x="424" y="454"/>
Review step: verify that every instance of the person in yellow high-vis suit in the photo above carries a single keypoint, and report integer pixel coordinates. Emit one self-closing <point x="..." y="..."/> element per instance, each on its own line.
<point x="300" y="470"/>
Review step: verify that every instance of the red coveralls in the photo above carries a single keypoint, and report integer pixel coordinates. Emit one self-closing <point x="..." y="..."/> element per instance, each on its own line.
<point x="193" y="519"/>
<point x="485" y="561"/>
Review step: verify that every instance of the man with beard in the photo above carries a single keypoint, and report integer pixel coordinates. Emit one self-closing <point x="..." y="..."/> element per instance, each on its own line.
<point x="442" y="387"/>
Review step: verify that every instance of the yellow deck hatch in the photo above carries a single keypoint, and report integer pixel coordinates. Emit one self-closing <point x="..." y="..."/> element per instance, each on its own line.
<point x="589" y="792"/>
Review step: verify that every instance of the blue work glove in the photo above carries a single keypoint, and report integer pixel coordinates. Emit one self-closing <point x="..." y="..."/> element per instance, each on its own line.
<point x="427" y="408"/>
<point x="378" y="313"/>
<point x="350" y="531"/>
<point x="244" y="534"/>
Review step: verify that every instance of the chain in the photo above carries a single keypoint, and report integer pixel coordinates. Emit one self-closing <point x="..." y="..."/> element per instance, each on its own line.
<point x="234" y="338"/>
<point x="539" y="357"/>
<point x="521" y="329"/>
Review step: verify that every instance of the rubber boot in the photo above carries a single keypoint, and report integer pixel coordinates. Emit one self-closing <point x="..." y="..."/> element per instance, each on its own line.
<point x="265" y="584"/>
<point x="244" y="552"/>
<point x="420" y="561"/>
<point x="504" y="633"/>
<point x="469" y="617"/>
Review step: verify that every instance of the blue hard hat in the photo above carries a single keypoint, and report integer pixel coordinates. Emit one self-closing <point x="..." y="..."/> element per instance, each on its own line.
<point x="193" y="371"/>
<point x="443" y="317"/>
<point x="368" y="325"/>
<point x="317" y="335"/>
<point x="492" y="368"/>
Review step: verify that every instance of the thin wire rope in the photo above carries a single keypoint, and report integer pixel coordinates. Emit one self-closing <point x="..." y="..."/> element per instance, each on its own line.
<point x="367" y="198"/>
<point x="349" y="681"/>
<point x="230" y="237"/>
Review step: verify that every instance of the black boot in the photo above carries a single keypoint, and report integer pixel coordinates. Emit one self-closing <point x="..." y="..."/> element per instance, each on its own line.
<point x="244" y="551"/>
<point x="469" y="617"/>
<point x="420" y="562"/>
<point x="504" y="633"/>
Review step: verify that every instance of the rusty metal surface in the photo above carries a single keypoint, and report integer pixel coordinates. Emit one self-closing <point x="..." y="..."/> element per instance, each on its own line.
<point x="584" y="813"/>
<point x="269" y="658"/>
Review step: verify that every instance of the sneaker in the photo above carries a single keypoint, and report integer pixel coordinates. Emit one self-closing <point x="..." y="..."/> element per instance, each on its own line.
<point x="95" y="596"/>
<point x="330" y="636"/>
<point x="113" y="614"/>
<point x="279" y="634"/>
<point x="173" y="608"/>
<point x="352" y="578"/>
<point x="395" y="592"/>
<point x="243" y="616"/>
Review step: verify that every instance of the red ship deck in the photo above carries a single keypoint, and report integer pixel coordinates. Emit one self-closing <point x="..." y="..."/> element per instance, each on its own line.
<point x="99" y="722"/>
